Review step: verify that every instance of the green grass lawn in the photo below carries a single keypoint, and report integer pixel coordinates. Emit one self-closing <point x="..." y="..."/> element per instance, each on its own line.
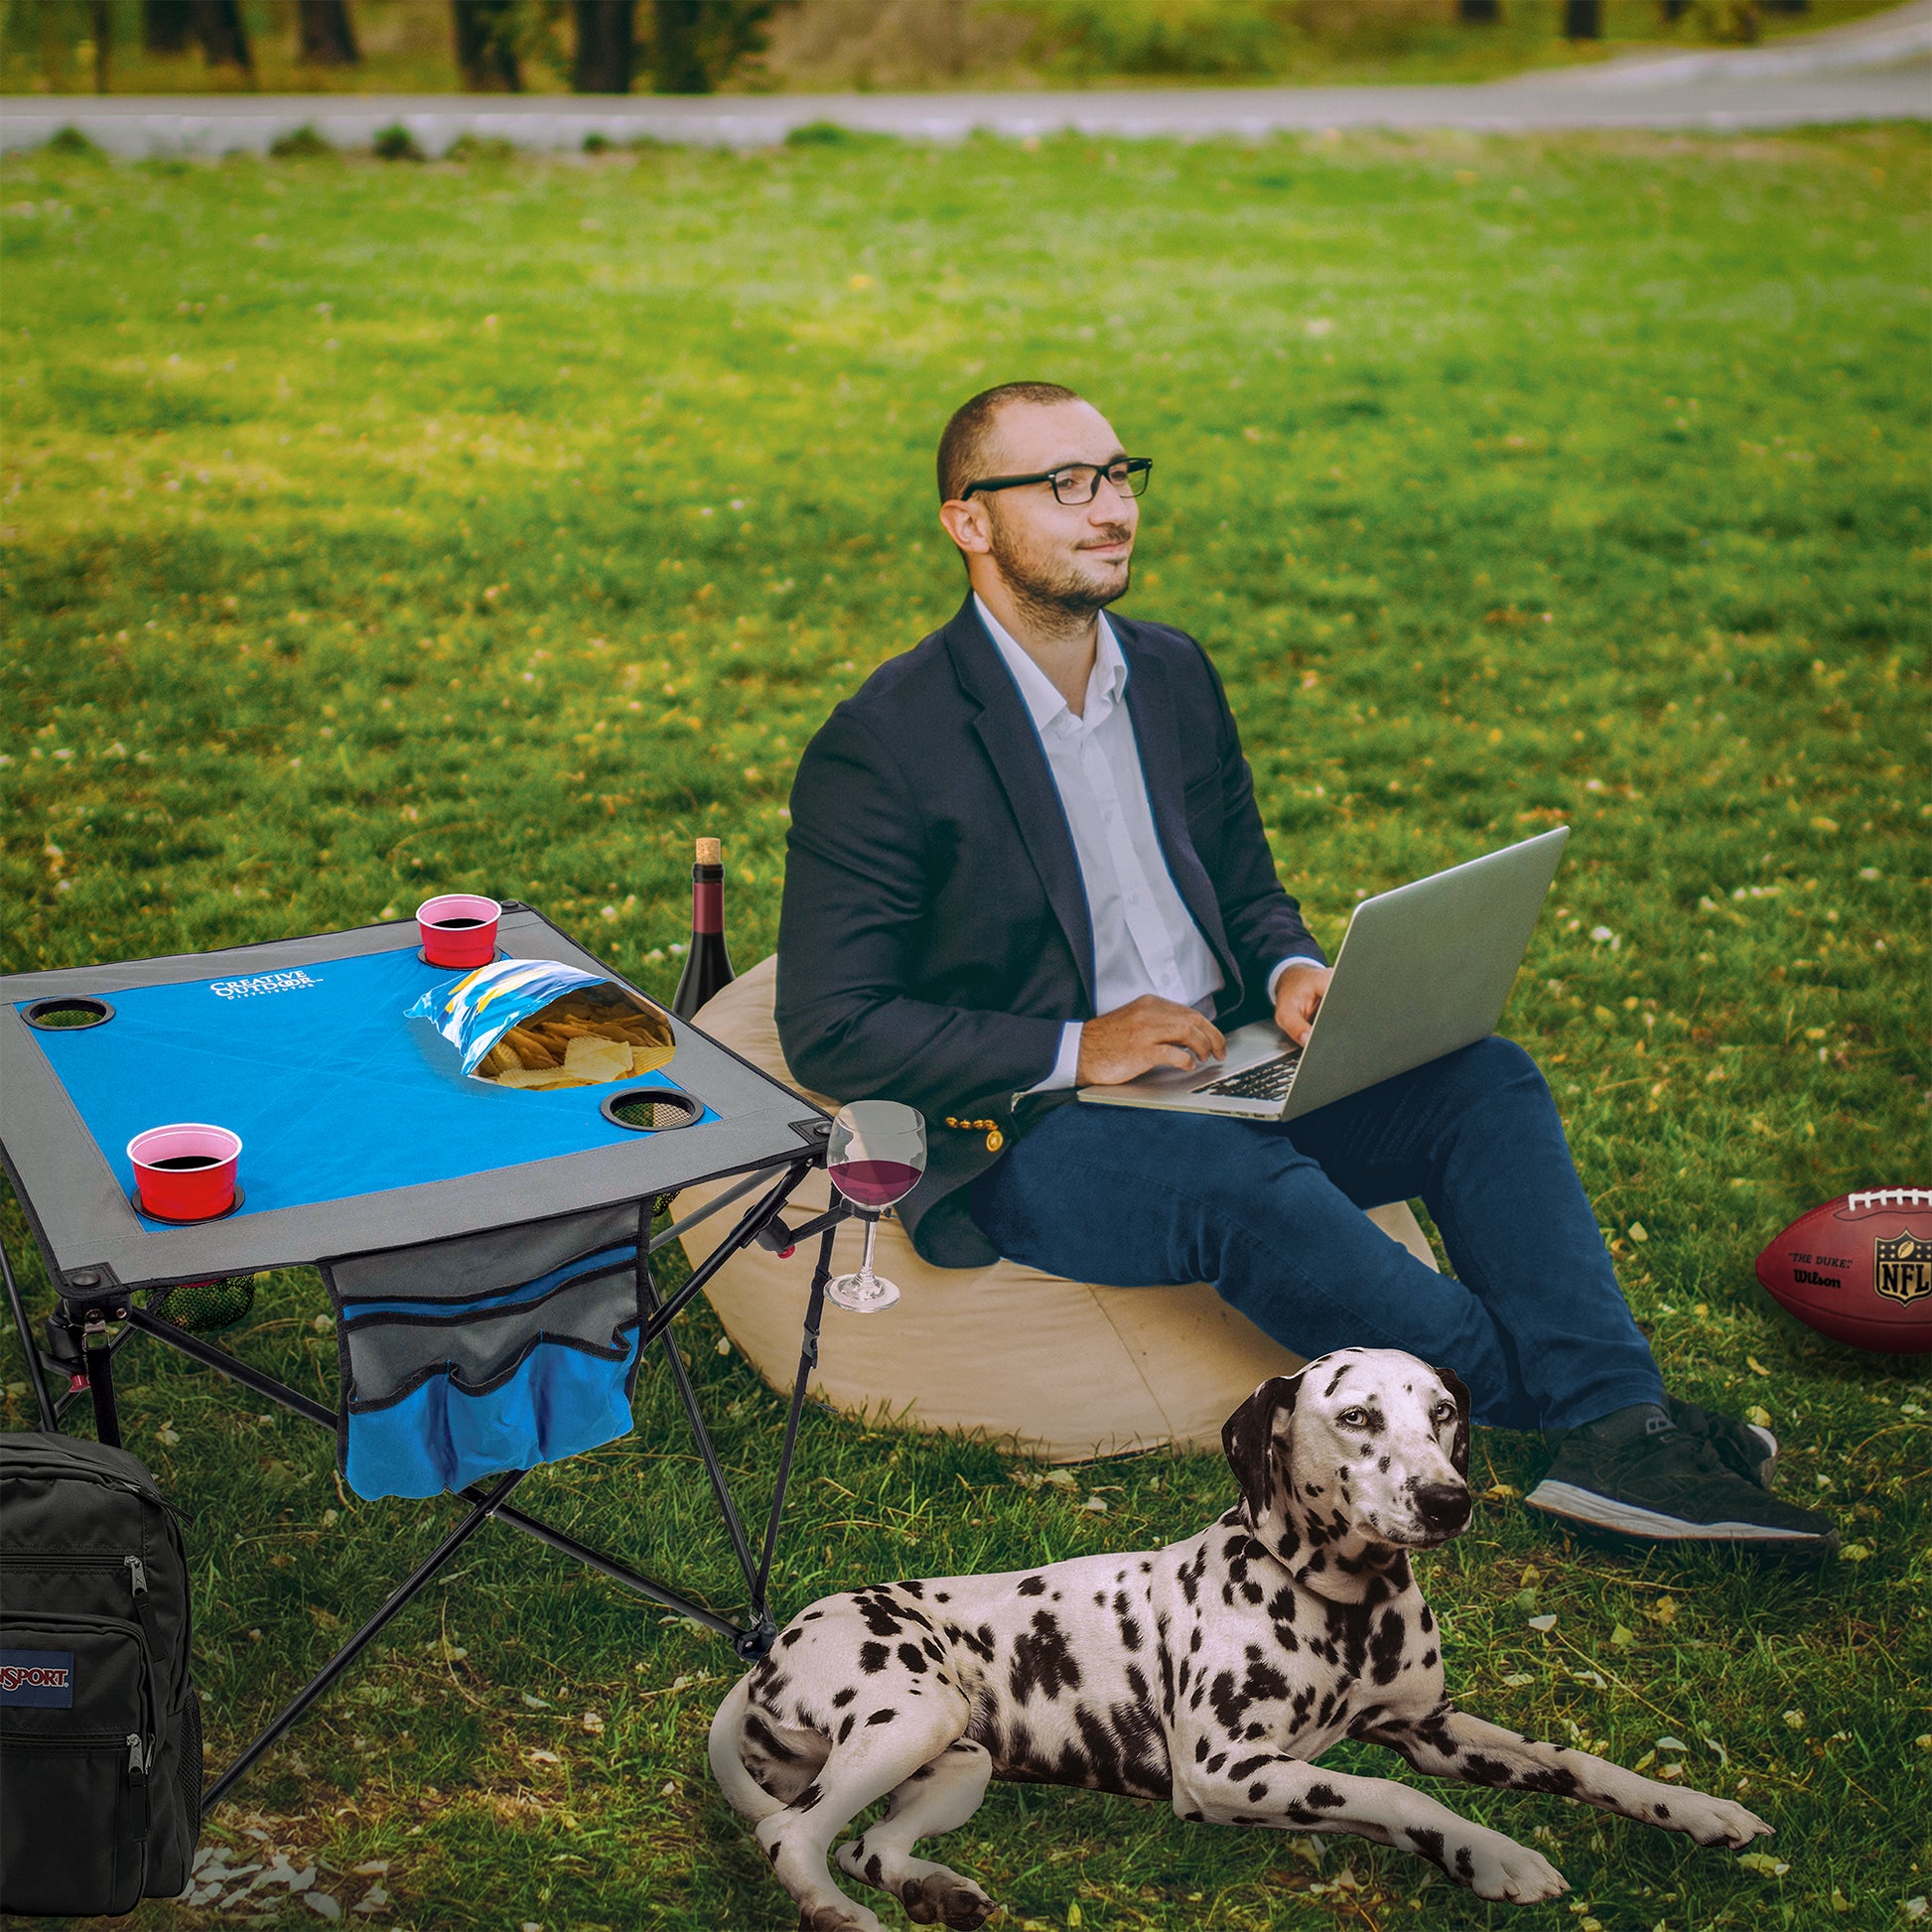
<point x="373" y="531"/>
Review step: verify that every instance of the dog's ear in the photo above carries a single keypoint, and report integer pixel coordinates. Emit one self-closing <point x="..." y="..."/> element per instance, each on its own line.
<point x="1248" y="1438"/>
<point x="1460" y="1446"/>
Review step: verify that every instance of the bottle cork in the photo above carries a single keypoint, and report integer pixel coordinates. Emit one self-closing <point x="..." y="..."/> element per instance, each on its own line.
<point x="711" y="851"/>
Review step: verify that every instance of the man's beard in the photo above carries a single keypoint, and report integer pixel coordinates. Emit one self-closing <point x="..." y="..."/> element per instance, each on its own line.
<point x="1050" y="589"/>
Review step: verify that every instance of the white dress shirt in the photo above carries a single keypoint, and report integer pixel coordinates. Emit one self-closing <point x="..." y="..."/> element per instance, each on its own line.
<point x="1145" y="940"/>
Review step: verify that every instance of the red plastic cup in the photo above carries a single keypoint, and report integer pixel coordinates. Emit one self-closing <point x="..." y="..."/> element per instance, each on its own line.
<point x="459" y="929"/>
<point x="187" y="1171"/>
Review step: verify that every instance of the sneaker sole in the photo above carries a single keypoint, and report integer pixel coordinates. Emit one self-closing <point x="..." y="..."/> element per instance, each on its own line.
<point x="1586" y="1506"/>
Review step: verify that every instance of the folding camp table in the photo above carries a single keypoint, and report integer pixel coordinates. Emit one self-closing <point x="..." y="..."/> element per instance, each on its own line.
<point x="368" y="1154"/>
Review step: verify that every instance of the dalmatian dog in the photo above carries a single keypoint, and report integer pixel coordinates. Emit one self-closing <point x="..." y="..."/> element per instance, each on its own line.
<point x="1213" y="1674"/>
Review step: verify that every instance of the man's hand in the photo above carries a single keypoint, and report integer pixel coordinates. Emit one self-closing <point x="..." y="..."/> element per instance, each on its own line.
<point x="1143" y="1034"/>
<point x="1298" y="995"/>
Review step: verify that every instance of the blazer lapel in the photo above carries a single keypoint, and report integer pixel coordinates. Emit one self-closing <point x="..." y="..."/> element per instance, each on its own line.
<point x="1150" y="704"/>
<point x="1007" y="731"/>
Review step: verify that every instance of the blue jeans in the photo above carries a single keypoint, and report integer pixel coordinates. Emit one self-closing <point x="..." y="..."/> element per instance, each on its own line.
<point x="1272" y="1214"/>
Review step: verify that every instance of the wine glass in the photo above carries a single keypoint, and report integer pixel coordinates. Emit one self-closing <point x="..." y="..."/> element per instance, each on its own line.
<point x="875" y="1157"/>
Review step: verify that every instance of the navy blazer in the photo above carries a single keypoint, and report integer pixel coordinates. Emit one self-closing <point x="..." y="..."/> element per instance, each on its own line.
<point x="935" y="935"/>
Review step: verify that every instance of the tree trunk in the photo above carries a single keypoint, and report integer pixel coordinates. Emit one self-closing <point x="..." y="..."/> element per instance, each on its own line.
<point x="224" y="35"/>
<point x="328" y="35"/>
<point x="1478" y="13"/>
<point x="166" y="25"/>
<point x="1583" y="20"/>
<point x="606" y="46"/>
<point x="1675" y="10"/>
<point x="485" y="52"/>
<point x="679" y="63"/>
<point x="100" y="15"/>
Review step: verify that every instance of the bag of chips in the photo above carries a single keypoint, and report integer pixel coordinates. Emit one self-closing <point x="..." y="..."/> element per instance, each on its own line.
<point x="536" y="1023"/>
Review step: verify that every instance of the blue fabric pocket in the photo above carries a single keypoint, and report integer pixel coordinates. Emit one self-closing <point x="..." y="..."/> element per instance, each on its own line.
<point x="439" y="1393"/>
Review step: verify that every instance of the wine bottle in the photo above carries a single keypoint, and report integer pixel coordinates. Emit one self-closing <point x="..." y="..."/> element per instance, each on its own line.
<point x="707" y="966"/>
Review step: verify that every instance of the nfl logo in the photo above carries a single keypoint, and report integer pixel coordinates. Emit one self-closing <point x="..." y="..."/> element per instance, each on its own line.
<point x="1903" y="1268"/>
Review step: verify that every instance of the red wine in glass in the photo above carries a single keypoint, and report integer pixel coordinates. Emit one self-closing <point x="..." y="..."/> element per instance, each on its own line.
<point x="874" y="1183"/>
<point x="875" y="1157"/>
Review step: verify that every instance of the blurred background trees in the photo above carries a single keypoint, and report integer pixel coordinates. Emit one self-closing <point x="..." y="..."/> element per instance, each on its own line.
<point x="618" y="46"/>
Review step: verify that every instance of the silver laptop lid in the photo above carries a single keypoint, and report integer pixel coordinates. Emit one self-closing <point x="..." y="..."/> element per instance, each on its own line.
<point x="1428" y="969"/>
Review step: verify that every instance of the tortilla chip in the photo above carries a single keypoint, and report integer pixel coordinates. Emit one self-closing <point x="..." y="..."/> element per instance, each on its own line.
<point x="596" y="1060"/>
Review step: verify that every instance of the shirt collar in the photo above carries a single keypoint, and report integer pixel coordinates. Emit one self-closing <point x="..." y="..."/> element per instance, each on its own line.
<point x="1048" y="710"/>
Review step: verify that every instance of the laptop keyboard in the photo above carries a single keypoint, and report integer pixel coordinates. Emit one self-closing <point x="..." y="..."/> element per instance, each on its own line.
<point x="1270" y="1080"/>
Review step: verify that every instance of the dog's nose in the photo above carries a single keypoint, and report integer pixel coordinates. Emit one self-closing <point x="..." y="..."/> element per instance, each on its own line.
<point x="1442" y="1506"/>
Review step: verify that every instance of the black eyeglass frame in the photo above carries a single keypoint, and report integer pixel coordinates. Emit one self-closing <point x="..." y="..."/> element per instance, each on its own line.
<point x="1137" y="466"/>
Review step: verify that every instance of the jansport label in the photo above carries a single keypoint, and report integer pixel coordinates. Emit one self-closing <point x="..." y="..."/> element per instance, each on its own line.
<point x="37" y="1677"/>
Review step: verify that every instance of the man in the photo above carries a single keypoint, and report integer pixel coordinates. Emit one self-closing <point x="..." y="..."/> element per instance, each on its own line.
<point x="1025" y="856"/>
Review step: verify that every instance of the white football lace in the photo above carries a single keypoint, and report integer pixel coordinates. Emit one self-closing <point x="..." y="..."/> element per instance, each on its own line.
<point x="1890" y="1196"/>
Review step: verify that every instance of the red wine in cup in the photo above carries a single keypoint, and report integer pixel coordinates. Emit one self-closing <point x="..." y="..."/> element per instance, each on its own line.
<point x="874" y="1184"/>
<point x="176" y="1161"/>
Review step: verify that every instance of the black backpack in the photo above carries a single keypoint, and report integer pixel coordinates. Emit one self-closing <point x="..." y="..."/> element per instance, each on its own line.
<point x="100" y="1728"/>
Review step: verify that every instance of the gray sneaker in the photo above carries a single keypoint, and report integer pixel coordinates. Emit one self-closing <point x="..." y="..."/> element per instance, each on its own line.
<point x="1639" y="1475"/>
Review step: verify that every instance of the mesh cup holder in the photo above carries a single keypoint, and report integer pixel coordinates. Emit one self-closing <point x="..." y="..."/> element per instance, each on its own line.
<point x="651" y="1110"/>
<point x="67" y="1012"/>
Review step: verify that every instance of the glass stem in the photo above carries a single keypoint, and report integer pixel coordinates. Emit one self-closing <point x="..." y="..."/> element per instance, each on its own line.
<point x="867" y="1281"/>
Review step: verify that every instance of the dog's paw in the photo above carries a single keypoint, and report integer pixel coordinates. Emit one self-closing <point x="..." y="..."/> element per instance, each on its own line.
<point x="838" y="1919"/>
<point x="1504" y="1870"/>
<point x="945" y="1898"/>
<point x="1715" y="1820"/>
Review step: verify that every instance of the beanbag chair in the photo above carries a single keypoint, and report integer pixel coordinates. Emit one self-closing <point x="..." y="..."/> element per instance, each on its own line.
<point x="1064" y="1370"/>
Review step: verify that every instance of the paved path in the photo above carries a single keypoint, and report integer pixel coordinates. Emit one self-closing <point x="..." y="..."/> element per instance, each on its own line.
<point x="1878" y="70"/>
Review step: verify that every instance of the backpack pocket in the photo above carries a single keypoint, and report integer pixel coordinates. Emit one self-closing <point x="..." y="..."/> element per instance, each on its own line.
<point x="76" y="1745"/>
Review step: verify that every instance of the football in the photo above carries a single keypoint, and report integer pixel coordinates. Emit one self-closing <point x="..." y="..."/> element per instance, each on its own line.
<point x="1860" y="1270"/>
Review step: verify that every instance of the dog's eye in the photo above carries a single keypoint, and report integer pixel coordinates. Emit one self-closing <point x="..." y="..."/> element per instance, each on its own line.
<point x="1353" y="1419"/>
<point x="1444" y="1411"/>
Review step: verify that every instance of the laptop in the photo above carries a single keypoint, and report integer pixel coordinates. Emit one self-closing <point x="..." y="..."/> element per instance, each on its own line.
<point x="1422" y="970"/>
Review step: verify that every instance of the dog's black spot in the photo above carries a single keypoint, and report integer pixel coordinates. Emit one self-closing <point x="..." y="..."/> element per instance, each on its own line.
<point x="881" y="1619"/>
<point x="1428" y="1845"/>
<point x="874" y="1870"/>
<point x="1427" y="1620"/>
<point x="1465" y="1865"/>
<point x="882" y="1717"/>
<point x="1660" y="1811"/>
<point x="1130" y="1632"/>
<point x="1031" y="1587"/>
<point x="767" y="1739"/>
<point x="1382" y="1465"/>
<point x="1256" y="1792"/>
<point x="1200" y="1749"/>
<point x="845" y="1730"/>
<point x="1336" y="1380"/>
<point x="1428" y="1659"/>
<point x="808" y="1797"/>
<point x="1248" y="1768"/>
<point x="844" y="1696"/>
<point x="913" y="1658"/>
<point x="871" y="1658"/>
<point x="1043" y="1661"/>
<point x="1214" y="1763"/>
<point x="915" y="1588"/>
<point x="1478" y="1769"/>
<point x="789" y="1638"/>
<point x="1324" y="1797"/>
<point x="933" y="1649"/>
<point x="1385" y="1647"/>
<point x="942" y="1596"/>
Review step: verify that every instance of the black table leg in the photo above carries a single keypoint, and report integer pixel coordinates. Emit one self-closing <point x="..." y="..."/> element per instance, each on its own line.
<point x="764" y="1629"/>
<point x="36" y="1370"/>
<point x="347" y="1655"/>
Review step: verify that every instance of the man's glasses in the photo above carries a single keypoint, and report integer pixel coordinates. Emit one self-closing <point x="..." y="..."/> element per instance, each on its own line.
<point x="1077" y="482"/>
